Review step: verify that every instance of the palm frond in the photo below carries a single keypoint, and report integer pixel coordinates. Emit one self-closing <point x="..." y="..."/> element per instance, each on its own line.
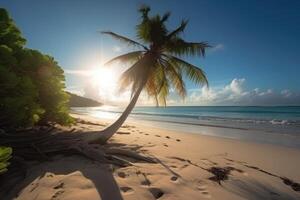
<point x="179" y="47"/>
<point x="134" y="76"/>
<point x="165" y="17"/>
<point x="163" y="86"/>
<point x="129" y="77"/>
<point x="144" y="10"/>
<point x="155" y="82"/>
<point x="163" y="93"/>
<point x="124" y="39"/>
<point x="173" y="73"/>
<point x="128" y="57"/>
<point x="178" y="30"/>
<point x="192" y="72"/>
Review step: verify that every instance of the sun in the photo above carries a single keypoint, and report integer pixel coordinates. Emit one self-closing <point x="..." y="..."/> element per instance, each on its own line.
<point x="104" y="78"/>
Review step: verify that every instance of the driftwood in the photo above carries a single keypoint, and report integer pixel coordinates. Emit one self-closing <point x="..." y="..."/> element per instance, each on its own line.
<point x="42" y="143"/>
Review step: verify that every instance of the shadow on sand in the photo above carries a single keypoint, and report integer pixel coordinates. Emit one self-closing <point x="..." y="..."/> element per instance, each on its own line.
<point x="62" y="176"/>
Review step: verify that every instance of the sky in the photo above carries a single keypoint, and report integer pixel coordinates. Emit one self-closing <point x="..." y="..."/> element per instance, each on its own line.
<point x="254" y="60"/>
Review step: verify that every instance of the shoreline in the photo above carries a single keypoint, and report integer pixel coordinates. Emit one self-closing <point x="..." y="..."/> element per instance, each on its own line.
<point x="185" y="171"/>
<point x="237" y="131"/>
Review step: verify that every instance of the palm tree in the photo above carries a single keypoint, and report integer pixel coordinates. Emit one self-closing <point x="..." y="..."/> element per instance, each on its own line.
<point x="157" y="66"/>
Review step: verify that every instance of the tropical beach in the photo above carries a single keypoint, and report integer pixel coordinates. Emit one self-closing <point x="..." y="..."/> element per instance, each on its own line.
<point x="187" y="168"/>
<point x="149" y="100"/>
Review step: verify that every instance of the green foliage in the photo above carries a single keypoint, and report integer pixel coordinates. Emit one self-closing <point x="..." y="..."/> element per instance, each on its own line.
<point x="10" y="35"/>
<point x="5" y="155"/>
<point x="19" y="96"/>
<point x="31" y="83"/>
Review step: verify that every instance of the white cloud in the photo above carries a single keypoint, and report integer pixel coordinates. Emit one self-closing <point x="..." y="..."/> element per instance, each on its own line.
<point x="236" y="86"/>
<point x="286" y="93"/>
<point x="235" y="93"/>
<point x="217" y="47"/>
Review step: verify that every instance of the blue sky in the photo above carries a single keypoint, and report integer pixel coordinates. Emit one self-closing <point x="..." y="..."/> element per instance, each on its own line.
<point x="255" y="59"/>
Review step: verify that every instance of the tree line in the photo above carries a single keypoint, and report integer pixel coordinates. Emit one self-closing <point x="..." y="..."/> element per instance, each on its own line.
<point x="31" y="83"/>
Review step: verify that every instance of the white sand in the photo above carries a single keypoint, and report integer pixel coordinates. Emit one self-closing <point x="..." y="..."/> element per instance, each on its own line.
<point x="255" y="174"/>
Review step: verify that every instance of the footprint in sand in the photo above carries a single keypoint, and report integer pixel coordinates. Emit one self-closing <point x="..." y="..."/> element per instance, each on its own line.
<point x="165" y="145"/>
<point x="60" y="185"/>
<point x="156" y="192"/>
<point x="126" y="190"/>
<point x="204" y="192"/>
<point x="174" y="178"/>
<point x="146" y="183"/>
<point x="121" y="174"/>
<point x="57" y="194"/>
<point x="178" y="140"/>
<point x="168" y="137"/>
<point x="157" y="135"/>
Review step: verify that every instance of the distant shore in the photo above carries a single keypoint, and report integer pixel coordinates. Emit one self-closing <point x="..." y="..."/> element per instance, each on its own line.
<point x="189" y="169"/>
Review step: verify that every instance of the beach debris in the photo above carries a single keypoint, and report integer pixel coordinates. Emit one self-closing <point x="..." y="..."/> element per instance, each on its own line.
<point x="220" y="174"/>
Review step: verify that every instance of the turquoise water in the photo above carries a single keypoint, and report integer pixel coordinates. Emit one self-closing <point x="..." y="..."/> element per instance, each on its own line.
<point x="276" y="125"/>
<point x="282" y="115"/>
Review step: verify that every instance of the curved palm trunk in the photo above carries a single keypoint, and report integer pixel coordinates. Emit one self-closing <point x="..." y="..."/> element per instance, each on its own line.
<point x="107" y="133"/>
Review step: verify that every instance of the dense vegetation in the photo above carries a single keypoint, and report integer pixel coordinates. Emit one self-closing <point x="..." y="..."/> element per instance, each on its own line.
<point x="31" y="83"/>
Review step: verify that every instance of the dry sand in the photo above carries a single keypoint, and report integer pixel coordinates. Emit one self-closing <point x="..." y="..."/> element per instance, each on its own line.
<point x="186" y="171"/>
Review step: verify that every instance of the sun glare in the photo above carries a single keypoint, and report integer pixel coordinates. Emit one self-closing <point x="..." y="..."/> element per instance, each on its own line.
<point x="104" y="79"/>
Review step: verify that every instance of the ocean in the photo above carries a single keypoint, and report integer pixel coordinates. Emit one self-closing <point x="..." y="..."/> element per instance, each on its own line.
<point x="278" y="125"/>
